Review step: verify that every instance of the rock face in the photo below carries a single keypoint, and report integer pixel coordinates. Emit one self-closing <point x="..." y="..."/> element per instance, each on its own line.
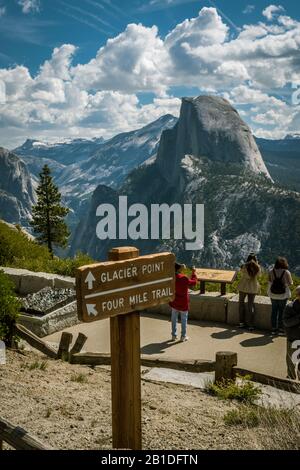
<point x="84" y="237"/>
<point x="244" y="210"/>
<point x="16" y="191"/>
<point x="209" y="127"/>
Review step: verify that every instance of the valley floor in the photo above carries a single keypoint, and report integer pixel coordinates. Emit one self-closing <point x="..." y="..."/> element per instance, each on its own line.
<point x="69" y="407"/>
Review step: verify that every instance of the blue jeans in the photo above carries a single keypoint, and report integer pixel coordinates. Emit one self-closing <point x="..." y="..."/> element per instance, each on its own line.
<point x="184" y="318"/>
<point x="278" y="307"/>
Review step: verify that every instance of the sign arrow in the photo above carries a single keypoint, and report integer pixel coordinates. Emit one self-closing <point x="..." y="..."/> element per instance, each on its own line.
<point x="90" y="280"/>
<point x="91" y="309"/>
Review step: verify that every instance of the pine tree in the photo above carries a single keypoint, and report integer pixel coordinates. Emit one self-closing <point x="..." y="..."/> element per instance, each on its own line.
<point x="48" y="214"/>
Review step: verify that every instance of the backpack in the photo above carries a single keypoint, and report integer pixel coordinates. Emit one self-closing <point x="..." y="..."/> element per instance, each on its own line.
<point x="278" y="286"/>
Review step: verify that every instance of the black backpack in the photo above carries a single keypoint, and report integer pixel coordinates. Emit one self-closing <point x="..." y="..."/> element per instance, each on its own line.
<point x="278" y="286"/>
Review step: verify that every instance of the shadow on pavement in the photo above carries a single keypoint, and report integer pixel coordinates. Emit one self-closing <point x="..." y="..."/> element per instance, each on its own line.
<point x="254" y="342"/>
<point x="227" y="334"/>
<point x="155" y="348"/>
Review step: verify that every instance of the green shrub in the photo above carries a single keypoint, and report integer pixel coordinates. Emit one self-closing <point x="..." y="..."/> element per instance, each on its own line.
<point x="9" y="309"/>
<point x="61" y="266"/>
<point x="246" y="417"/>
<point x="17" y="251"/>
<point x="79" y="378"/>
<point x="241" y="389"/>
<point x="15" y="245"/>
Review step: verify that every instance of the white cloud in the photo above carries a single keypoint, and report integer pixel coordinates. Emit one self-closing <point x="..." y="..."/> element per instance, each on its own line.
<point x="134" y="61"/>
<point x="271" y="11"/>
<point x="249" y="9"/>
<point x="252" y="69"/>
<point x="2" y="11"/>
<point x="156" y="5"/>
<point x="59" y="64"/>
<point x="29" y="6"/>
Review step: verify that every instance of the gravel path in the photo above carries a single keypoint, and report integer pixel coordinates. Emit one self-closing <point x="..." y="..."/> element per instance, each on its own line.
<point x="68" y="414"/>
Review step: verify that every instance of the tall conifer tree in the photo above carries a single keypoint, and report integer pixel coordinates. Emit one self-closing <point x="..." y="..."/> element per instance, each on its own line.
<point x="48" y="214"/>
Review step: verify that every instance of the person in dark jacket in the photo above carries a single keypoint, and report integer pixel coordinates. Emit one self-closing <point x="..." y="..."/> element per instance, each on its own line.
<point x="180" y="304"/>
<point x="291" y="321"/>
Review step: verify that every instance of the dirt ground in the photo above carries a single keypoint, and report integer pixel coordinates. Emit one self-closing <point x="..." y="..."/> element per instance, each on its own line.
<point x="69" y="407"/>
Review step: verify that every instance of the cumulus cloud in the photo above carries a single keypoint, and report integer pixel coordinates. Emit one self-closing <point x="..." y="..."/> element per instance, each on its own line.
<point x="271" y="11"/>
<point x="101" y="97"/>
<point x="134" y="61"/>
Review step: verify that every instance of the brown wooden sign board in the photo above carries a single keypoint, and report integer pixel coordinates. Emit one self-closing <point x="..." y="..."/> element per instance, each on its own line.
<point x="215" y="275"/>
<point x="118" y="287"/>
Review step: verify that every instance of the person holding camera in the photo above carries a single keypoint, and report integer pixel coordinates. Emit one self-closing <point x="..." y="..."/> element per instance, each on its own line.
<point x="180" y="305"/>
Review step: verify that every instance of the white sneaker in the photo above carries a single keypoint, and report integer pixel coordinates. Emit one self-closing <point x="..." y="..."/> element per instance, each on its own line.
<point x="174" y="338"/>
<point x="184" y="338"/>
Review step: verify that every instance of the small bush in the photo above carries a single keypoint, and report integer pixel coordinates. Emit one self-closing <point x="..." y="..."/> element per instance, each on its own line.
<point x="244" y="416"/>
<point x="37" y="365"/>
<point x="79" y="378"/>
<point x="242" y="390"/>
<point x="9" y="309"/>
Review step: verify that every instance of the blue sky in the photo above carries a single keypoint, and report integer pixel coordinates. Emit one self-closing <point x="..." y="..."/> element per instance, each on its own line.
<point x="75" y="68"/>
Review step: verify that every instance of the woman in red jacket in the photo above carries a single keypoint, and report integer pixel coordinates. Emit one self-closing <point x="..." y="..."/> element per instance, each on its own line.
<point x="180" y="304"/>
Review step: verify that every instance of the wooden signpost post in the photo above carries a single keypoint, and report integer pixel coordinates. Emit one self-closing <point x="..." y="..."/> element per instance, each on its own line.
<point x="119" y="289"/>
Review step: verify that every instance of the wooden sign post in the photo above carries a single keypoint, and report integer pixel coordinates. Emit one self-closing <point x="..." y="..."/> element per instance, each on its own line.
<point x="119" y="289"/>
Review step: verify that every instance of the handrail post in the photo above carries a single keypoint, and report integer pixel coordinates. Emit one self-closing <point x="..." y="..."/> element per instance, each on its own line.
<point x="225" y="361"/>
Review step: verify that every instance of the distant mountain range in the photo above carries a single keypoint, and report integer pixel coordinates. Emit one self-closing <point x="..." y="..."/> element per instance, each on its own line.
<point x="80" y="166"/>
<point x="282" y="158"/>
<point x="209" y="155"/>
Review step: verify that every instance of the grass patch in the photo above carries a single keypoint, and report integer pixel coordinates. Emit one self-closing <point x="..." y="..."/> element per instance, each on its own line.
<point x="36" y="365"/>
<point x="79" y="378"/>
<point x="242" y="390"/>
<point x="276" y="428"/>
<point x="243" y="416"/>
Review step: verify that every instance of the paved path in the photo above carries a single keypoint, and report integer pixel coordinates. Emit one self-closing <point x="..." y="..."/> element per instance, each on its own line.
<point x="257" y="351"/>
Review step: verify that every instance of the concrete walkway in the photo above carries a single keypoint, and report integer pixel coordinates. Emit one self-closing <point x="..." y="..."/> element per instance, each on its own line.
<point x="257" y="351"/>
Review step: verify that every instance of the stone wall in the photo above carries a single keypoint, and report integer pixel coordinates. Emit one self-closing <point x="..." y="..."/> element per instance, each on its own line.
<point x="213" y="307"/>
<point x="52" y="322"/>
<point x="262" y="306"/>
<point x="27" y="282"/>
